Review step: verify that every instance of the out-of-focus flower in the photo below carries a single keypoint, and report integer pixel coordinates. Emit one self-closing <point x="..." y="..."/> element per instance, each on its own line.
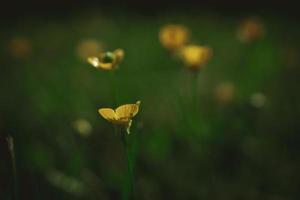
<point x="20" y="47"/>
<point x="88" y="48"/>
<point x="224" y="93"/>
<point x="172" y="36"/>
<point x="83" y="127"/>
<point x="122" y="115"/>
<point x="250" y="30"/>
<point x="291" y="57"/>
<point x="258" y="100"/>
<point x="66" y="183"/>
<point x="108" y="60"/>
<point x="195" y="56"/>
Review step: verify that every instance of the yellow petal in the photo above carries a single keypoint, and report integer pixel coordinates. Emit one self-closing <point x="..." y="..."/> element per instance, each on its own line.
<point x="96" y="62"/>
<point x="173" y="37"/>
<point x="119" y="55"/>
<point x="106" y="66"/>
<point x="108" y="114"/>
<point x="194" y="55"/>
<point x="93" y="61"/>
<point x="127" y="110"/>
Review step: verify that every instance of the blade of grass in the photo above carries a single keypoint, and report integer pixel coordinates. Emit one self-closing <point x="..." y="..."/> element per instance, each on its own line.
<point x="10" y="143"/>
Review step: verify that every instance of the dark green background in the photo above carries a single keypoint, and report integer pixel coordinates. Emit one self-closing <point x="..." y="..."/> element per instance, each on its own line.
<point x="183" y="151"/>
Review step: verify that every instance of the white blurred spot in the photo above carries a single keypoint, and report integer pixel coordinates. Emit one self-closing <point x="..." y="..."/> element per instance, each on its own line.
<point x="258" y="100"/>
<point x="83" y="127"/>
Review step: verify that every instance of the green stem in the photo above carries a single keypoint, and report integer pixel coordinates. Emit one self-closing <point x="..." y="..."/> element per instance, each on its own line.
<point x="180" y="108"/>
<point x="113" y="82"/>
<point x="128" y="193"/>
<point x="246" y="51"/>
<point x="194" y="90"/>
<point x="11" y="149"/>
<point x="129" y="164"/>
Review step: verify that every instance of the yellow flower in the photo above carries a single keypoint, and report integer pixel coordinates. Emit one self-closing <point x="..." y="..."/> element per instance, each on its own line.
<point x="195" y="56"/>
<point x="108" y="60"/>
<point x="250" y="30"/>
<point x="122" y="115"/>
<point x="173" y="37"/>
<point x="224" y="93"/>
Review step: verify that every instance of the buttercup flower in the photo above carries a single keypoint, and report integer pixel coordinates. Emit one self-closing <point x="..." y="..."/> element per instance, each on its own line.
<point x="250" y="30"/>
<point x="122" y="115"/>
<point x="108" y="60"/>
<point x="195" y="56"/>
<point x="173" y="37"/>
<point x="224" y="93"/>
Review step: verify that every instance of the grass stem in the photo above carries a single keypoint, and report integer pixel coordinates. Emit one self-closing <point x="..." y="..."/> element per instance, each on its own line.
<point x="10" y="143"/>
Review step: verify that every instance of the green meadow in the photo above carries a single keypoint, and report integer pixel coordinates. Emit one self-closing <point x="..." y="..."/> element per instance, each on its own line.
<point x="232" y="133"/>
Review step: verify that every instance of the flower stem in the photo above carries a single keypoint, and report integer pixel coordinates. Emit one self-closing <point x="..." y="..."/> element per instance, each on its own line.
<point x="194" y="90"/>
<point x="128" y="192"/>
<point x="129" y="166"/>
<point x="113" y="83"/>
<point x="10" y="143"/>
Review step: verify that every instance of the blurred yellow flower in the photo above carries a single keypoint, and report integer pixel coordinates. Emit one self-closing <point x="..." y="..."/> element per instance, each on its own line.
<point x="88" y="48"/>
<point x="291" y="56"/>
<point x="20" y="47"/>
<point x="172" y="36"/>
<point x="224" y="93"/>
<point x="122" y="115"/>
<point x="108" y="60"/>
<point x="195" y="56"/>
<point x="250" y="30"/>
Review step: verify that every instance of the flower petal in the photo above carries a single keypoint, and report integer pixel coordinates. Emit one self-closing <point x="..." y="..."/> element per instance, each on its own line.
<point x="108" y="114"/>
<point x="194" y="55"/>
<point x="119" y="53"/>
<point x="106" y="66"/>
<point x="93" y="61"/>
<point x="173" y="36"/>
<point x="127" y="110"/>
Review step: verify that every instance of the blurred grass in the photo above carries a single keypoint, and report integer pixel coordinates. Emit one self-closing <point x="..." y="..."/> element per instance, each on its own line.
<point x="234" y="151"/>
